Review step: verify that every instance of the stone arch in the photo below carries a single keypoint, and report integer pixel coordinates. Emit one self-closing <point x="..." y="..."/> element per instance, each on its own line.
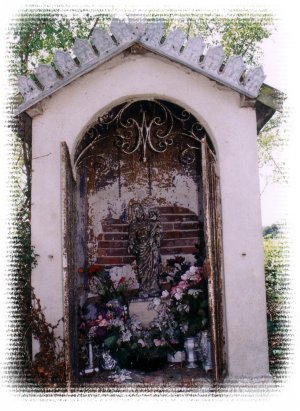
<point x="86" y="145"/>
<point x="183" y="244"/>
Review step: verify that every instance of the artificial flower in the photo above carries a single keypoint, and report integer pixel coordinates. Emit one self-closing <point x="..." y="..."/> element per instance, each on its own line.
<point x="142" y="343"/>
<point x="182" y="285"/>
<point x="179" y="293"/>
<point x="103" y="323"/>
<point x="158" y="342"/>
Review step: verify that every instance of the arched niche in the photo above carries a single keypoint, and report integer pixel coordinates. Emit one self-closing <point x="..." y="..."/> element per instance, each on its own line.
<point x="155" y="153"/>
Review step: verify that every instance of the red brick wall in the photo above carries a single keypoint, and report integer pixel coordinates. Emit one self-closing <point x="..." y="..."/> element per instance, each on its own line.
<point x="181" y="230"/>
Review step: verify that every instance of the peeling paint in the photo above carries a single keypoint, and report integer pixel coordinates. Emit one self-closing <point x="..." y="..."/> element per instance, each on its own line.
<point x="114" y="179"/>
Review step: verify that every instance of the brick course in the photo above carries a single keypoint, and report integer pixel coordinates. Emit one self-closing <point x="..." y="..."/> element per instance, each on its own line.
<point x="181" y="231"/>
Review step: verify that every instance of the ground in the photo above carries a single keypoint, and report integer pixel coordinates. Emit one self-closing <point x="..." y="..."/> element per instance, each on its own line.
<point x="176" y="374"/>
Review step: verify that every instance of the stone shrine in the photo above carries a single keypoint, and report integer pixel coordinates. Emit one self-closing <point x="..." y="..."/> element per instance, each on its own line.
<point x="143" y="148"/>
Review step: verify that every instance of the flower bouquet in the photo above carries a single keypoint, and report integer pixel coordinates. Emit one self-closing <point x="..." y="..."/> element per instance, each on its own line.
<point x="180" y="312"/>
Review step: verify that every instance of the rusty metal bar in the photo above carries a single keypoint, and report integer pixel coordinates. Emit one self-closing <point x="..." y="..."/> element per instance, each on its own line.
<point x="68" y="186"/>
<point x="213" y="263"/>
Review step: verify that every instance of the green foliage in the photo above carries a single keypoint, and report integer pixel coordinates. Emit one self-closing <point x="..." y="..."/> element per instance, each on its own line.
<point x="242" y="35"/>
<point x="37" y="35"/>
<point x="110" y="341"/>
<point x="276" y="290"/>
<point x="239" y="33"/>
<point x="271" y="231"/>
<point x="271" y="139"/>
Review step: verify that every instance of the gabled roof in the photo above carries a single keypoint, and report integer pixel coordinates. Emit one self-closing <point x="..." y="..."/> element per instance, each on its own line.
<point x="103" y="46"/>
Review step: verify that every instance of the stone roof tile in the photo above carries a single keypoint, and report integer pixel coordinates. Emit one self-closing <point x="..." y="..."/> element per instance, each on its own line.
<point x="105" y="44"/>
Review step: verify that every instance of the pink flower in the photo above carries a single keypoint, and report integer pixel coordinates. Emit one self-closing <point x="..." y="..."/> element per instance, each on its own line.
<point x="103" y="323"/>
<point x="142" y="342"/>
<point x="182" y="285"/>
<point x="173" y="291"/>
<point x="197" y="278"/>
<point x="159" y="342"/>
<point x="177" y="291"/>
<point x="109" y="315"/>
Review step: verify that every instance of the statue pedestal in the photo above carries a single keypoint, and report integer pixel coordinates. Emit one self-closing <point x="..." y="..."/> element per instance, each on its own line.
<point x="139" y="307"/>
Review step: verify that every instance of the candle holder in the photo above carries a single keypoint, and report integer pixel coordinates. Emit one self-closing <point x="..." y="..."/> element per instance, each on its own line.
<point x="204" y="350"/>
<point x="190" y="346"/>
<point x="91" y="367"/>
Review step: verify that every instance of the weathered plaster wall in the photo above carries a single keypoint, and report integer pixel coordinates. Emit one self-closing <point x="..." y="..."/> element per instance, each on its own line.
<point x="233" y="131"/>
<point x="162" y="180"/>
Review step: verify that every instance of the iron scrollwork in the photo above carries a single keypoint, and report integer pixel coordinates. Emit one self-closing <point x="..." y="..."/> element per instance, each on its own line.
<point x="145" y="125"/>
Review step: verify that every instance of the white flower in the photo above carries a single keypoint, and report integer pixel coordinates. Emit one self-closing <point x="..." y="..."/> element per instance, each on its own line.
<point x="165" y="294"/>
<point x="183" y="307"/>
<point x="194" y="293"/>
<point x="178" y="294"/>
<point x="184" y="327"/>
<point x="126" y="336"/>
<point x="186" y="308"/>
<point x="185" y="276"/>
<point x="193" y="270"/>
<point x="156" y="302"/>
<point x="135" y="323"/>
<point x="92" y="331"/>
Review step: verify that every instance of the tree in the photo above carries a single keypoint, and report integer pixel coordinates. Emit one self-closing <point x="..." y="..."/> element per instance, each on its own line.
<point x="271" y="140"/>
<point x="271" y="231"/>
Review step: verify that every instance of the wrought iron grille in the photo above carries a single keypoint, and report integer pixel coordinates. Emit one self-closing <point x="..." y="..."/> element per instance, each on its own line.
<point x="140" y="126"/>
